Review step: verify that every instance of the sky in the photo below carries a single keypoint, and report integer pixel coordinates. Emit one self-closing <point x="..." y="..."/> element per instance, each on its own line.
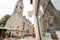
<point x="7" y="7"/>
<point x="56" y="3"/>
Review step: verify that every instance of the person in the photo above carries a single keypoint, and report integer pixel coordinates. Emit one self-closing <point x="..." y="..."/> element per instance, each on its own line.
<point x="27" y="33"/>
<point x="23" y="35"/>
<point x="1" y="38"/>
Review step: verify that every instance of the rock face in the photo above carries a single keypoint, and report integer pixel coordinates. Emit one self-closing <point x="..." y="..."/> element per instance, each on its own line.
<point x="17" y="21"/>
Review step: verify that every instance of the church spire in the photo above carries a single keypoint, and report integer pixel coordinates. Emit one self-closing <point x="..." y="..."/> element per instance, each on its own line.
<point x="19" y="7"/>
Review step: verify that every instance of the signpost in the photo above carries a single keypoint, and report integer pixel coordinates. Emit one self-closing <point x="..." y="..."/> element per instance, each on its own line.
<point x="30" y="13"/>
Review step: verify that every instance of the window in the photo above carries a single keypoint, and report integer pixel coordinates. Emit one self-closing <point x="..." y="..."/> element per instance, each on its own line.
<point x="27" y="24"/>
<point x="17" y="26"/>
<point x="23" y="25"/>
<point x="21" y="7"/>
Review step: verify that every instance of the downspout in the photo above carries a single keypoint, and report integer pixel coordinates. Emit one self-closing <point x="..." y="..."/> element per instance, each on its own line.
<point x="37" y="18"/>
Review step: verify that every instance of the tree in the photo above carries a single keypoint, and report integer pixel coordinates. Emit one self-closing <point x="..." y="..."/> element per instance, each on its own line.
<point x="3" y="20"/>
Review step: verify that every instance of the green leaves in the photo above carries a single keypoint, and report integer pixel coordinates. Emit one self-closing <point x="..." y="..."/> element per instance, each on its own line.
<point x="3" y="20"/>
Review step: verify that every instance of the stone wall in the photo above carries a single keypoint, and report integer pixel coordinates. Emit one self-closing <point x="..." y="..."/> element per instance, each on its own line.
<point x="17" y="21"/>
<point x="50" y="19"/>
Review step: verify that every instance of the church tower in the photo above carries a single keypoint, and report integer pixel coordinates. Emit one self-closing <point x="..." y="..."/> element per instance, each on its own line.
<point x="19" y="7"/>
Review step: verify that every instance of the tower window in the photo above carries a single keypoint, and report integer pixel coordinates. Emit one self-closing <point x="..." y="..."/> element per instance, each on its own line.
<point x="23" y="25"/>
<point x="21" y="7"/>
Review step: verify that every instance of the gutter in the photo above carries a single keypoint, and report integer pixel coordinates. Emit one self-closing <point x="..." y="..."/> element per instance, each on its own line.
<point x="37" y="18"/>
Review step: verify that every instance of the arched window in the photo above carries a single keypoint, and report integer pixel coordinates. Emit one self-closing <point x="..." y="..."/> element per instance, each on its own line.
<point x="23" y="25"/>
<point x="17" y="26"/>
<point x="21" y="7"/>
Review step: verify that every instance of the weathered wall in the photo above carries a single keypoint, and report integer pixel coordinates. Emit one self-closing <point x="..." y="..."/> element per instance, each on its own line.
<point x="50" y="19"/>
